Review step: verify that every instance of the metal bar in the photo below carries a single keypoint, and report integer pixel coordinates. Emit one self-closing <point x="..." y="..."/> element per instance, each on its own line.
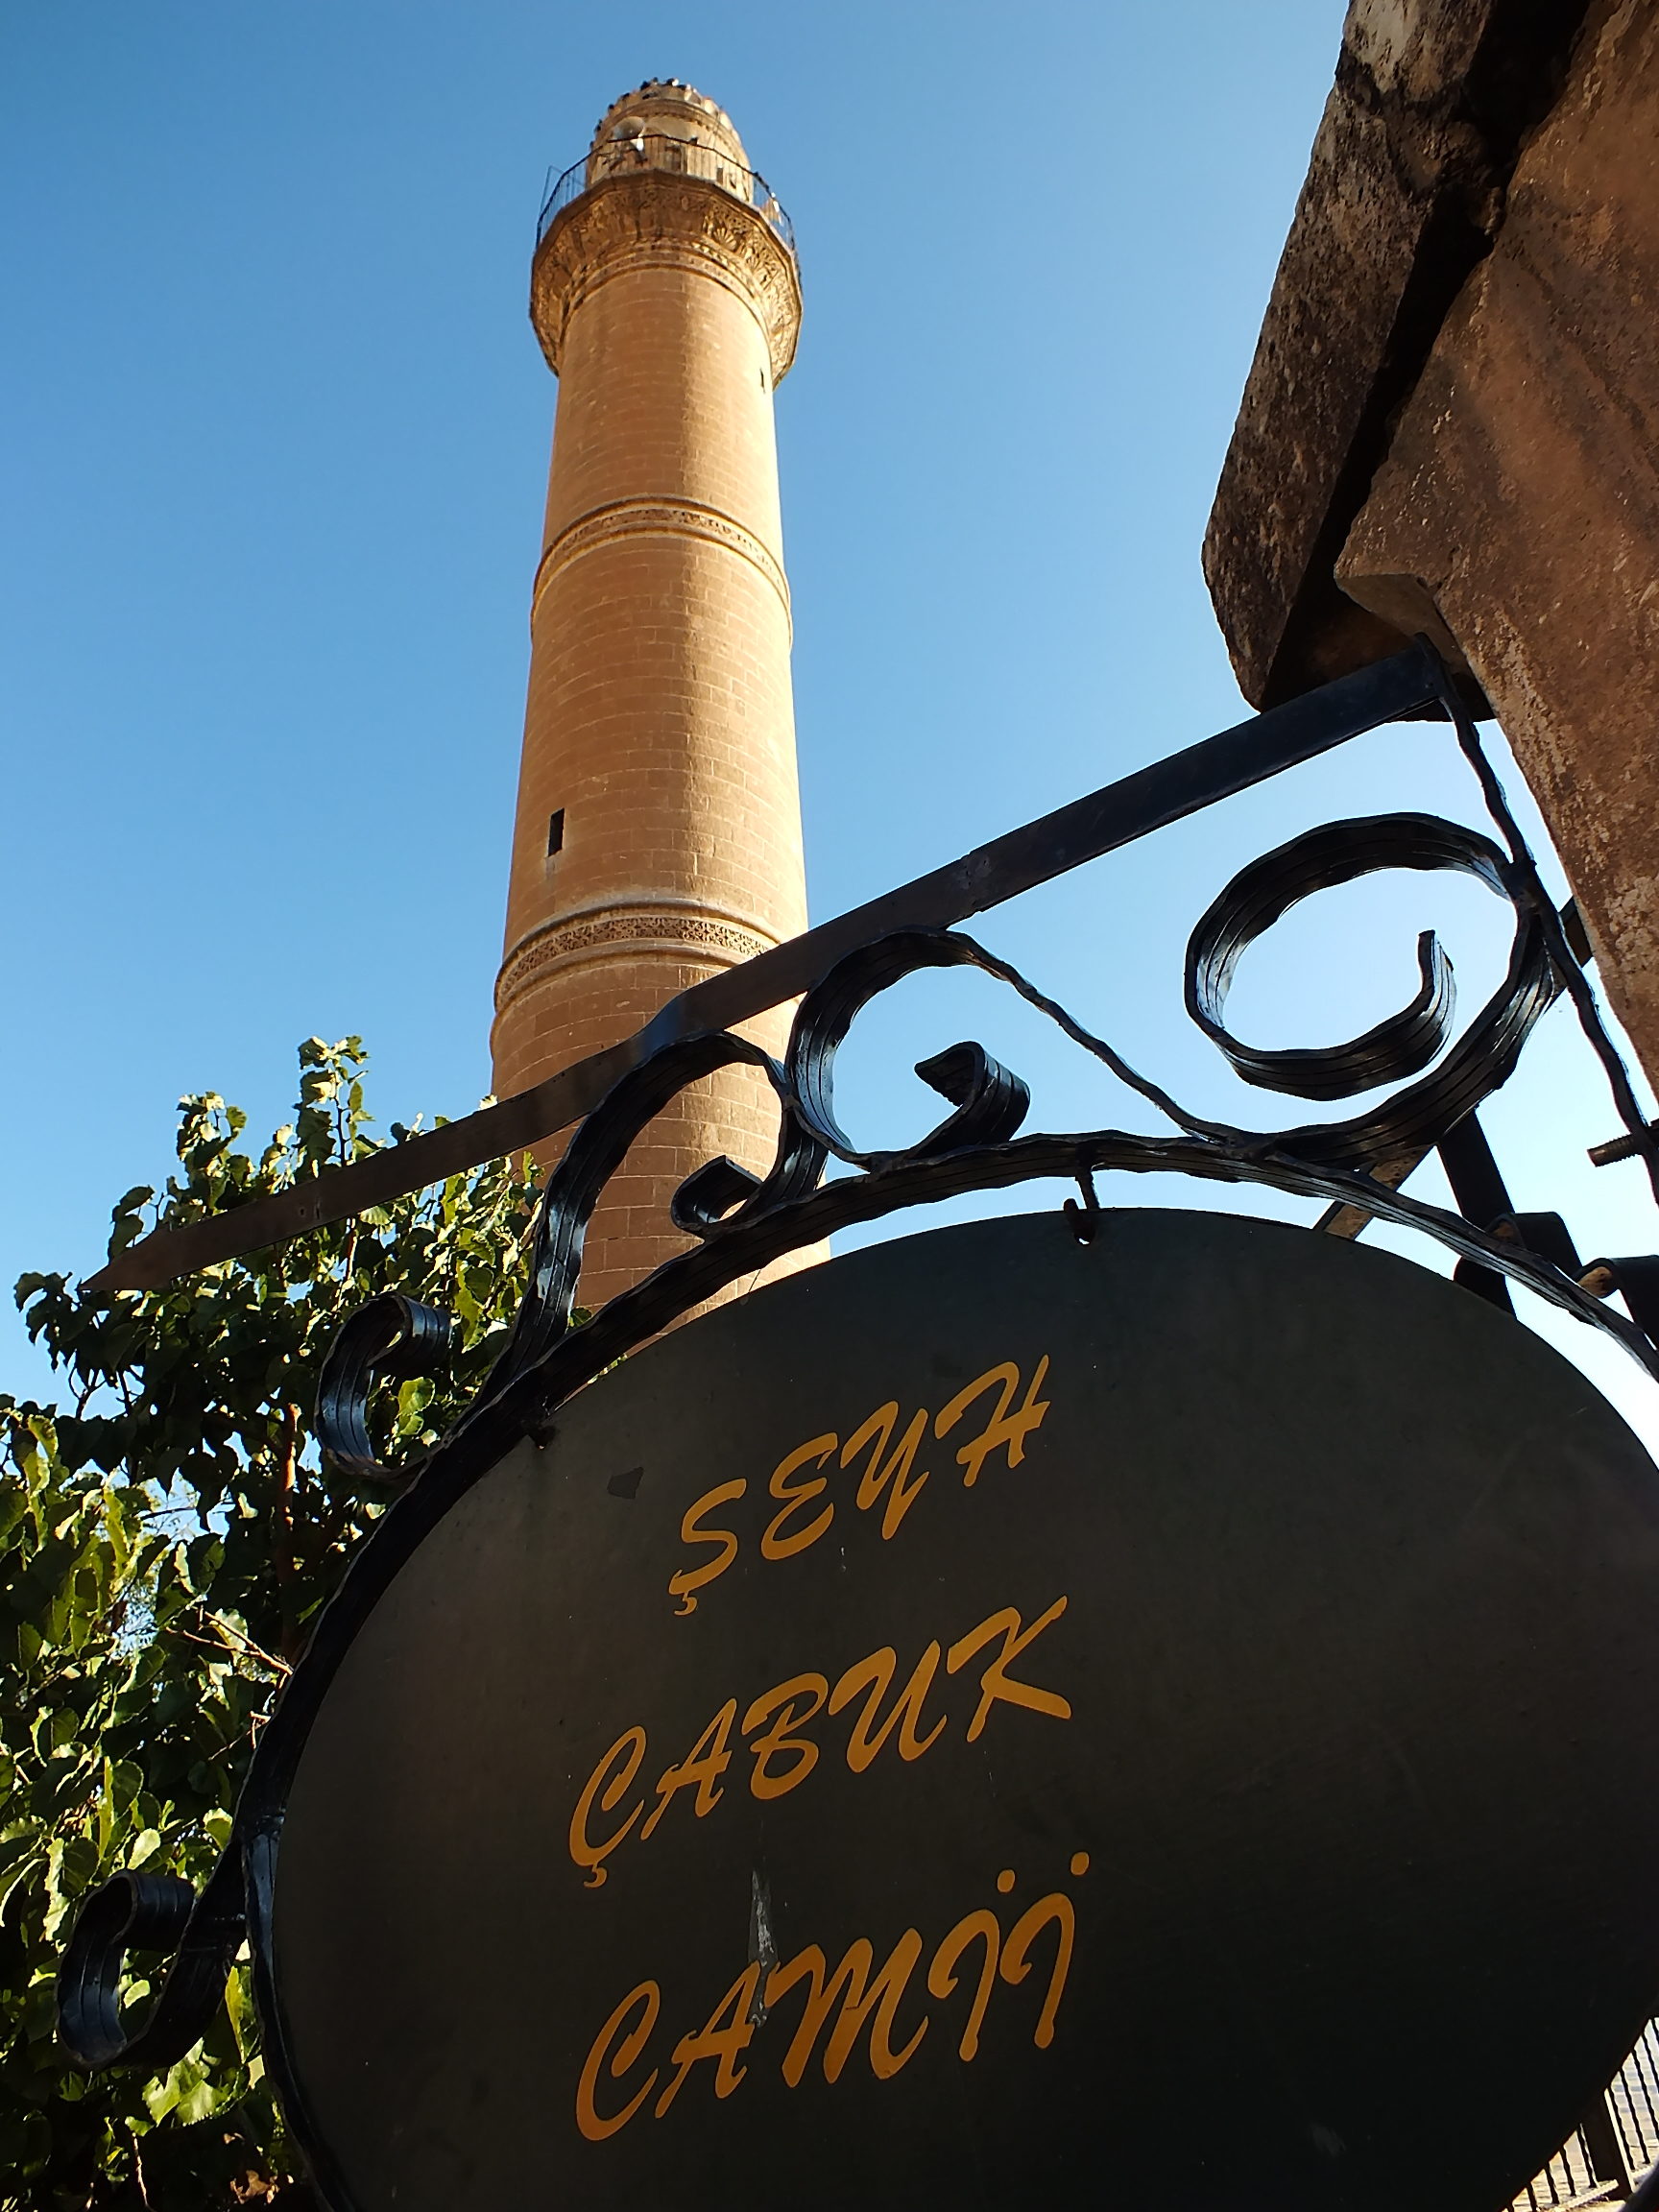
<point x="1623" y="2107"/>
<point x="1599" y="2133"/>
<point x="1476" y="1181"/>
<point x="1483" y="1197"/>
<point x="1558" y="938"/>
<point x="1640" y="2059"/>
<point x="1169" y="790"/>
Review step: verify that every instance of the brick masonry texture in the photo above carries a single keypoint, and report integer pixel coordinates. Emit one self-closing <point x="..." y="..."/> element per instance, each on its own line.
<point x="660" y="720"/>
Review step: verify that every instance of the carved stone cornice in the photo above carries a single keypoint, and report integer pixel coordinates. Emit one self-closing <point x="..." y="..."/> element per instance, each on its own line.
<point x="625" y="932"/>
<point x="646" y="218"/>
<point x="656" y="518"/>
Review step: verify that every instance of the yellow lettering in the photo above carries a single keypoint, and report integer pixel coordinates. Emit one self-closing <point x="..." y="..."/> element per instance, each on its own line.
<point x="799" y="1495"/>
<point x="875" y="1675"/>
<point x="588" y="2118"/>
<point x="859" y="1996"/>
<point x="725" y="2034"/>
<point x="690" y="1579"/>
<point x="894" y="1478"/>
<point x="583" y="1849"/>
<point x="856" y="2001"/>
<point x="1004" y="1430"/>
<point x="980" y="1927"/>
<point x="993" y="1683"/>
<point x="705" y="1764"/>
<point x="783" y="1757"/>
<point x="1057" y="1907"/>
<point x="791" y="1704"/>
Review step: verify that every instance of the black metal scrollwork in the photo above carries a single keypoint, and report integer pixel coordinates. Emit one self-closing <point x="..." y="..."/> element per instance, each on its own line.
<point x="149" y="1913"/>
<point x="594" y="1156"/>
<point x="392" y="1335"/>
<point x="729" y="1210"/>
<point x="1339" y="853"/>
<point x="1405" y="1043"/>
<point x="990" y="1103"/>
<point x="740" y="1221"/>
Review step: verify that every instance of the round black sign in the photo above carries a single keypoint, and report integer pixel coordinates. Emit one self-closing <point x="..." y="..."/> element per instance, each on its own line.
<point x="993" y="1721"/>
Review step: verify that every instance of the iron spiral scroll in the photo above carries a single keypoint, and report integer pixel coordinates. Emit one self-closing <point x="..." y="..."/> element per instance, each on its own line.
<point x="740" y="1222"/>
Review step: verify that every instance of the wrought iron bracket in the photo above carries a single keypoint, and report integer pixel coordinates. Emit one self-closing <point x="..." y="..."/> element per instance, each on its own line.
<point x="740" y="1221"/>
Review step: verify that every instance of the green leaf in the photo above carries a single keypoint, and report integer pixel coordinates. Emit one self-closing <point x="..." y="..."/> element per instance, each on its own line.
<point x="236" y="2005"/>
<point x="80" y="1857"/>
<point x="161" y="1534"/>
<point x="31" y="1870"/>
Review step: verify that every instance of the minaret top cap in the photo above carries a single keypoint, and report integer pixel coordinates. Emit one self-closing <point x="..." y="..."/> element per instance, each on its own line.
<point x="655" y="188"/>
<point x="662" y="108"/>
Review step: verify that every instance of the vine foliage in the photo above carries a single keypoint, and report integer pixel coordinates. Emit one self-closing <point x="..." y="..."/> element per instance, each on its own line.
<point x="168" y="1531"/>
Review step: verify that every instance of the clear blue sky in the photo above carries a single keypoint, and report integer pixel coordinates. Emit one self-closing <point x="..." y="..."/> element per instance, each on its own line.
<point x="277" y="433"/>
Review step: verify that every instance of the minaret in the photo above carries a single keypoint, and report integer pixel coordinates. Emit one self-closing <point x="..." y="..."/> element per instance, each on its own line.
<point x="658" y="838"/>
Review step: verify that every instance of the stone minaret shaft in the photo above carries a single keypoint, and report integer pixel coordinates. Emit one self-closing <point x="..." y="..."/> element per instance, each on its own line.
<point x="659" y="829"/>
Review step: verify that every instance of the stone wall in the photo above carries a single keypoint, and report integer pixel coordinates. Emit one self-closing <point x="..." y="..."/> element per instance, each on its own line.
<point x="1449" y="427"/>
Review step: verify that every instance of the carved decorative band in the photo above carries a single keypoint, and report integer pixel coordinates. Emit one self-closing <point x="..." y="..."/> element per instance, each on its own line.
<point x="652" y="217"/>
<point x="697" y="257"/>
<point x="611" y="934"/>
<point x="656" y="518"/>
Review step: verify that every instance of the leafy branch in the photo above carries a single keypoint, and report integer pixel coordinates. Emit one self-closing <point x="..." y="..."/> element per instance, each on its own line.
<point x="168" y="1535"/>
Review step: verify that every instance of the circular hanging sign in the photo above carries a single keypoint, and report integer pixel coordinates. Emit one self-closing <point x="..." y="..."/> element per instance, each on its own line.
<point x="991" y="1720"/>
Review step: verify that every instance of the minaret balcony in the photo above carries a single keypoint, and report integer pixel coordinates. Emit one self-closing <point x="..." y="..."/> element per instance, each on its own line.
<point x="623" y="157"/>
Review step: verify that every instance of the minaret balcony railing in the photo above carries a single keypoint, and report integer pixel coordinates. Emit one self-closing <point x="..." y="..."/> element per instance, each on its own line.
<point x="679" y="157"/>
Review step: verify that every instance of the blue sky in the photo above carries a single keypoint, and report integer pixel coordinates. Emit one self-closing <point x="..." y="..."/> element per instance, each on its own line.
<point x="277" y="434"/>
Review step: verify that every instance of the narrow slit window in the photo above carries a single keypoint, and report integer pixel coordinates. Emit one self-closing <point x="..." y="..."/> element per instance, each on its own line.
<point x="555" y="833"/>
